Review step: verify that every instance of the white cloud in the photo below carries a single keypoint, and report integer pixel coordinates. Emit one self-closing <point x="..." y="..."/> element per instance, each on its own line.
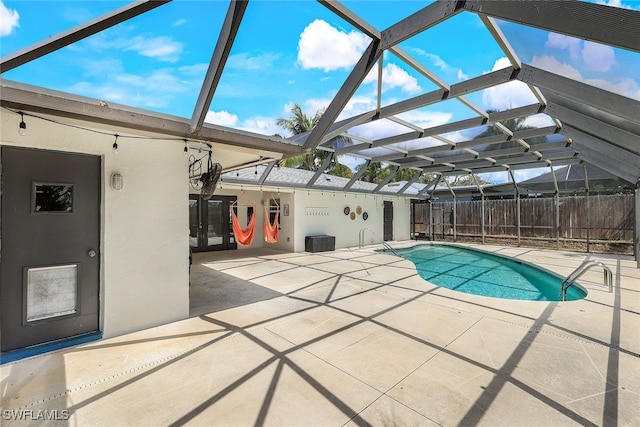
<point x="222" y="118"/>
<point x="160" y="48"/>
<point x="538" y="121"/>
<point x="512" y="94"/>
<point x="325" y="47"/>
<point x="551" y="63"/>
<point x="262" y="125"/>
<point x="394" y="77"/>
<point x="384" y="128"/>
<point x="257" y="62"/>
<point x="598" y="57"/>
<point x="8" y="20"/>
<point x="440" y="63"/>
<point x="561" y="41"/>
<point x="594" y="56"/>
<point x="179" y="22"/>
<point x="426" y="119"/>
<point x="158" y="89"/>
<point x="525" y="174"/>
<point x="197" y="70"/>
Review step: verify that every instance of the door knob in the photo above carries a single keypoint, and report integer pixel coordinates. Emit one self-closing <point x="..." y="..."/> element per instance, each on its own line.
<point x="91" y="253"/>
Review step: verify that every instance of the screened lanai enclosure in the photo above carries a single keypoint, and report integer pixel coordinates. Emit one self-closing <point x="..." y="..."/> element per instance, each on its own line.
<point x="496" y="92"/>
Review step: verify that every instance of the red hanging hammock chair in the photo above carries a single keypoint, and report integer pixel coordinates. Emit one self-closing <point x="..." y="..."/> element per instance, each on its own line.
<point x="244" y="236"/>
<point x="271" y="231"/>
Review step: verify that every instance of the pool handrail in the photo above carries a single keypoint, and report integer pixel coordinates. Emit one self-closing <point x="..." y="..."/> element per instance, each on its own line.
<point x="361" y="236"/>
<point x="388" y="247"/>
<point x="578" y="272"/>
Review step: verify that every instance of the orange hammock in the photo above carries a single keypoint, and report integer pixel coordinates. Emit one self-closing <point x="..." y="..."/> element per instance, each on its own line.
<point x="271" y="231"/>
<point x="244" y="236"/>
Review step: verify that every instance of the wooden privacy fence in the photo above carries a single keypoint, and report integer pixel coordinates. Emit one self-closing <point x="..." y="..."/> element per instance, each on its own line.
<point x="607" y="218"/>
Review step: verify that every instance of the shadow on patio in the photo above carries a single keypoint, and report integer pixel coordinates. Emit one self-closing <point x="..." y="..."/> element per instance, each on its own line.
<point x="354" y="337"/>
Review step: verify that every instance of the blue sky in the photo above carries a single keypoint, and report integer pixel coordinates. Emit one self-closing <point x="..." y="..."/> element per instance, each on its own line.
<point x="290" y="51"/>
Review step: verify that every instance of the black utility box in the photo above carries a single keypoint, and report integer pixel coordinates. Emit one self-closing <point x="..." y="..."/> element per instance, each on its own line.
<point x="319" y="243"/>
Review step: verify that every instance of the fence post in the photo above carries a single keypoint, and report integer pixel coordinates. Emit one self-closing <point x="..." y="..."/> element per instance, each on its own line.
<point x="588" y="213"/>
<point x="431" y="231"/>
<point x="518" y="219"/>
<point x="557" y="201"/>
<point x="636" y="232"/>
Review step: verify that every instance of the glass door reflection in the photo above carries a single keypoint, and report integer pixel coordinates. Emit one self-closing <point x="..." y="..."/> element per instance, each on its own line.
<point x="210" y="223"/>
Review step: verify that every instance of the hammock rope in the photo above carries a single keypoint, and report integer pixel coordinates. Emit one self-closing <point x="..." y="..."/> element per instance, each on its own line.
<point x="244" y="236"/>
<point x="271" y="231"/>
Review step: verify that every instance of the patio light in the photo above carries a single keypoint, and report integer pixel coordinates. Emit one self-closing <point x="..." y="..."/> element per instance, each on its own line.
<point x="23" y="126"/>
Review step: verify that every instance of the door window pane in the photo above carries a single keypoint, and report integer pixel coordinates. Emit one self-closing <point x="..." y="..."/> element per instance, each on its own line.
<point x="194" y="222"/>
<point x="51" y="291"/>
<point x="214" y="219"/>
<point x="53" y="198"/>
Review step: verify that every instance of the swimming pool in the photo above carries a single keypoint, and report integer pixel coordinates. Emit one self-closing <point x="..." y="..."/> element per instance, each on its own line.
<point x="482" y="273"/>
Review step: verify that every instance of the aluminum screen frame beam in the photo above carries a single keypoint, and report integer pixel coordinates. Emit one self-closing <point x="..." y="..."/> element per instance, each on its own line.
<point x="421" y="20"/>
<point x="77" y="33"/>
<point x="18" y="96"/>
<point x="412" y="181"/>
<point x="367" y="61"/>
<point x="615" y="104"/>
<point x="266" y="172"/>
<point x="488" y="140"/>
<point x="612" y="26"/>
<point x="225" y="40"/>
<point x="621" y="162"/>
<point x="320" y="171"/>
<point x="590" y="125"/>
<point x="418" y="22"/>
<point x="356" y="176"/>
<point x="386" y="180"/>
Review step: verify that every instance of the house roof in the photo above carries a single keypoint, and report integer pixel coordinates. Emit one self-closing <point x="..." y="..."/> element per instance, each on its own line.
<point x="585" y="120"/>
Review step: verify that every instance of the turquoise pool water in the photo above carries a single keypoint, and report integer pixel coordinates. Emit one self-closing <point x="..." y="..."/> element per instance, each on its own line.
<point x="482" y="273"/>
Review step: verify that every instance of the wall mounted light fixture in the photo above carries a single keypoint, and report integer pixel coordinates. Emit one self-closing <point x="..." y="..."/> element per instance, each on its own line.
<point x="117" y="182"/>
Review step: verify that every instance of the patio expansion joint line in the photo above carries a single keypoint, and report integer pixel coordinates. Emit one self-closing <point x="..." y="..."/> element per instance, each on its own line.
<point x="541" y="331"/>
<point x="122" y="373"/>
<point x="439" y="351"/>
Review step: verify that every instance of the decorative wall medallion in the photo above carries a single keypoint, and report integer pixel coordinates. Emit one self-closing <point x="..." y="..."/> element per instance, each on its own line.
<point x="353" y="215"/>
<point x="347" y="210"/>
<point x="365" y="216"/>
<point x="358" y="210"/>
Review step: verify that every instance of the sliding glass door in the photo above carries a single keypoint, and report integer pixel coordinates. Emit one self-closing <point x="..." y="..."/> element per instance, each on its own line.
<point x="210" y="223"/>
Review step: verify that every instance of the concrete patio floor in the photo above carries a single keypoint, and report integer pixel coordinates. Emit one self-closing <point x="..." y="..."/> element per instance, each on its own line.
<point x="353" y="337"/>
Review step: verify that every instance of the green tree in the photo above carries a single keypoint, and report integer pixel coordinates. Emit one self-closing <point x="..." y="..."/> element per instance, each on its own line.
<point x="513" y="125"/>
<point x="299" y="123"/>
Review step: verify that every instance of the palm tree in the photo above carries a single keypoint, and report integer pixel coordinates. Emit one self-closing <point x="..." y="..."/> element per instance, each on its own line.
<point x="513" y="125"/>
<point x="299" y="123"/>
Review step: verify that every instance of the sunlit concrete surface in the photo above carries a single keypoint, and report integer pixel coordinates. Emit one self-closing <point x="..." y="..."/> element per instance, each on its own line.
<point x="352" y="337"/>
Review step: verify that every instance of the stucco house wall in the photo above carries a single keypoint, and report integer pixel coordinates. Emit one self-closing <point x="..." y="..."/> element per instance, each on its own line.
<point x="144" y="226"/>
